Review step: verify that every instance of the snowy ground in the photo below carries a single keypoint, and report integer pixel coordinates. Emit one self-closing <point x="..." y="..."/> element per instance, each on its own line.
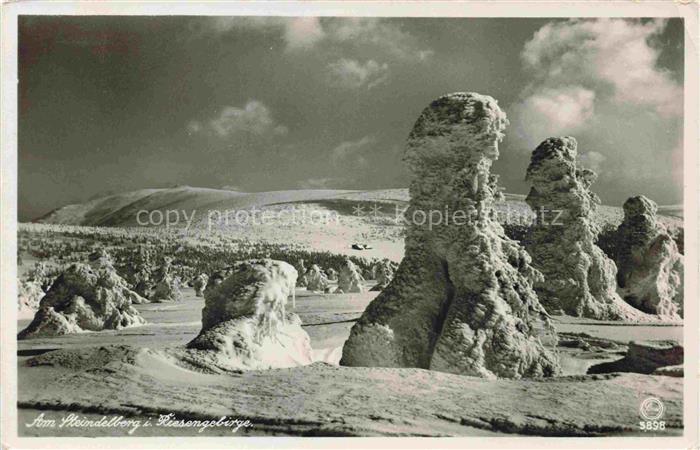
<point x="139" y="380"/>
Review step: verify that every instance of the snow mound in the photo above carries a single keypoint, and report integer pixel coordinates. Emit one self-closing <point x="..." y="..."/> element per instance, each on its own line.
<point x="316" y="279"/>
<point x="349" y="279"/>
<point x="384" y="273"/>
<point x="29" y="296"/>
<point x="245" y="324"/>
<point x="200" y="284"/>
<point x="167" y="288"/>
<point x="82" y="299"/>
<point x="645" y="357"/>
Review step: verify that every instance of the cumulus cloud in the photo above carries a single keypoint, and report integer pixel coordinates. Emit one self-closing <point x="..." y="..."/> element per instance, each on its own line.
<point x="297" y="32"/>
<point x="352" y="151"/>
<point x="194" y="127"/>
<point x="351" y="73"/>
<point x="301" y="33"/>
<point x="580" y="64"/>
<point x="252" y="119"/>
<point x="382" y="34"/>
<point x="318" y="183"/>
<point x="592" y="160"/>
<point x="599" y="80"/>
<point x="613" y="52"/>
<point x="424" y="54"/>
<point x="552" y="112"/>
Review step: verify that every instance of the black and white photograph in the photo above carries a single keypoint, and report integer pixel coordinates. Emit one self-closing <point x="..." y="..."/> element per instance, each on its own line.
<point x="350" y="223"/>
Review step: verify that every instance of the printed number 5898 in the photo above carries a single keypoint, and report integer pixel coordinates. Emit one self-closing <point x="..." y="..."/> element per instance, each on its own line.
<point x="652" y="425"/>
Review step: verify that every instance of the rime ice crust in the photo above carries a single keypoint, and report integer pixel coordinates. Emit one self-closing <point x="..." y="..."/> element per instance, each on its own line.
<point x="200" y="284"/>
<point x="167" y="288"/>
<point x="83" y="299"/>
<point x="349" y="278"/>
<point x="332" y="274"/>
<point x="578" y="277"/>
<point x="316" y="280"/>
<point x="245" y="324"/>
<point x="301" y="270"/>
<point x="139" y="272"/>
<point x="29" y="295"/>
<point x="650" y="267"/>
<point x="100" y="259"/>
<point x="462" y="299"/>
<point x="384" y="272"/>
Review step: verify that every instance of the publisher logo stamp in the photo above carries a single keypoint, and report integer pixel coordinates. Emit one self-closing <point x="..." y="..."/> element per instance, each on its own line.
<point x="652" y="409"/>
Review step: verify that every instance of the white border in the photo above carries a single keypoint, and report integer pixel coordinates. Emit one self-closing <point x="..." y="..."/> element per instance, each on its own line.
<point x="686" y="9"/>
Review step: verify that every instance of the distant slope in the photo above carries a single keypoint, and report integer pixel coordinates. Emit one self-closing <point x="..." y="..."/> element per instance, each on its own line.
<point x="671" y="210"/>
<point x="370" y="217"/>
<point x="121" y="210"/>
<point x="93" y="212"/>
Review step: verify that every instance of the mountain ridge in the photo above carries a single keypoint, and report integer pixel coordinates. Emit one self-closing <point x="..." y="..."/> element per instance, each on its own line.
<point x="120" y="209"/>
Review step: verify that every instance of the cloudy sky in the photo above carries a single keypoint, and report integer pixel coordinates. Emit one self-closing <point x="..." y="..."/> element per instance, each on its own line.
<point x="109" y="104"/>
